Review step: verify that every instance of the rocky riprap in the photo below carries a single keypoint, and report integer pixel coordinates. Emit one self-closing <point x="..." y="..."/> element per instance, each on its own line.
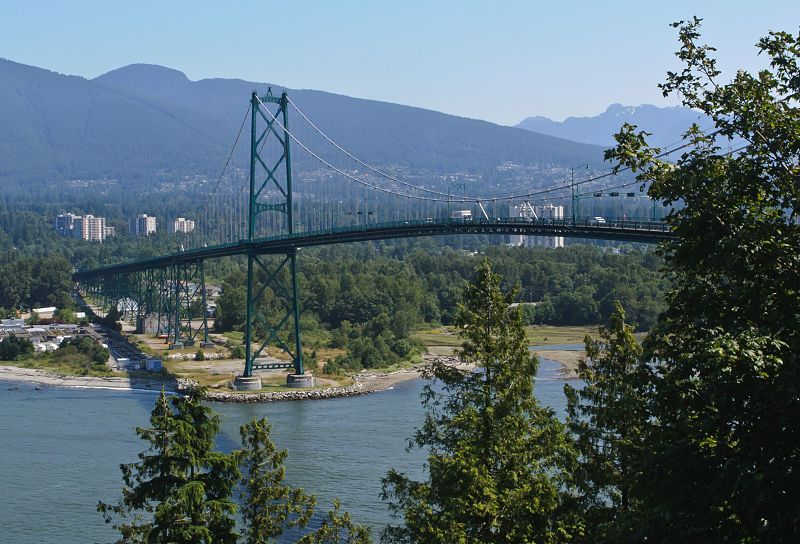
<point x="300" y="394"/>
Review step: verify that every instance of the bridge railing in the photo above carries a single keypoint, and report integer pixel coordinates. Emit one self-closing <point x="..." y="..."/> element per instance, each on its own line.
<point x="651" y="226"/>
<point x="551" y="227"/>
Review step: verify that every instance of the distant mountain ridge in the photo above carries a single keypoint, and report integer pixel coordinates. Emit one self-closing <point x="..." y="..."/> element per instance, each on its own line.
<point x="137" y="121"/>
<point x="667" y="125"/>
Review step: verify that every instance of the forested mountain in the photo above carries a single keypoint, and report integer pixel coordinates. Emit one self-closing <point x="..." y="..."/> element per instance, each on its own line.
<point x="666" y="124"/>
<point x="142" y="120"/>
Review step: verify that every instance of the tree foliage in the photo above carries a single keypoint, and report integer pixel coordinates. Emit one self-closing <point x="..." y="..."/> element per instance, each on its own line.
<point x="13" y="347"/>
<point x="498" y="461"/>
<point x="337" y="528"/>
<point x="725" y="443"/>
<point x="608" y="419"/>
<point x="31" y="282"/>
<point x="180" y="489"/>
<point x="90" y="349"/>
<point x="269" y="506"/>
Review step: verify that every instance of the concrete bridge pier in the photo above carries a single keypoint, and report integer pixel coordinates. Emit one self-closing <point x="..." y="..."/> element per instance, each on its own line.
<point x="300" y="380"/>
<point x="247" y="383"/>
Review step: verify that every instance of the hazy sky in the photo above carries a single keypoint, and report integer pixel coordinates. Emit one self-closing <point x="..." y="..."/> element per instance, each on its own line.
<point x="494" y="60"/>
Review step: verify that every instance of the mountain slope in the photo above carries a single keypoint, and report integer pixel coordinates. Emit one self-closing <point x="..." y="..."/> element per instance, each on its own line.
<point x="667" y="125"/>
<point x="137" y="121"/>
<point x="54" y="127"/>
<point x="388" y="134"/>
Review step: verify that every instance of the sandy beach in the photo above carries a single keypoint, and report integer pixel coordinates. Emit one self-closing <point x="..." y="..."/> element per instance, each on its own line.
<point x="32" y="375"/>
<point x="380" y="381"/>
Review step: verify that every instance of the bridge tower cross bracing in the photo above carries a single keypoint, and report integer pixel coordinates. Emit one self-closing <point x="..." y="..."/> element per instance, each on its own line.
<point x="271" y="191"/>
<point x="189" y="304"/>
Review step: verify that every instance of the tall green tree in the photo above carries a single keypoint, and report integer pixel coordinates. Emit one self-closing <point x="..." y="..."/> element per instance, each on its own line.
<point x="724" y="452"/>
<point x="608" y="419"/>
<point x="180" y="489"/>
<point x="269" y="506"/>
<point x="498" y="461"/>
<point x="232" y="304"/>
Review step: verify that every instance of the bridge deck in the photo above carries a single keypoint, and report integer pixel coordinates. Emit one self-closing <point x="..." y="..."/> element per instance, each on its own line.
<point x="630" y="231"/>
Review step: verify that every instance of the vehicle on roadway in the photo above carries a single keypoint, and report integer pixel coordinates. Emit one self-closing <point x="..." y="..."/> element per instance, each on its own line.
<point x="461" y="214"/>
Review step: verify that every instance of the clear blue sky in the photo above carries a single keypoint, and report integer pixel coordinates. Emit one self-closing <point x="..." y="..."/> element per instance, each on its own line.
<point x="495" y="60"/>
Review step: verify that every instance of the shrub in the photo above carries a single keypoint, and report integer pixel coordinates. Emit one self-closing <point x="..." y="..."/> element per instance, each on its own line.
<point x="12" y="348"/>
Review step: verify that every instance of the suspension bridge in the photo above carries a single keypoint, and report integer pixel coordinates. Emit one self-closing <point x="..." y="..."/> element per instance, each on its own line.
<point x="267" y="224"/>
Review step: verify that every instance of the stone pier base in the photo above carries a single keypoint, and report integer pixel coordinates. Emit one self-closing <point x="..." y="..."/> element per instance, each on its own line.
<point x="300" y="380"/>
<point x="247" y="383"/>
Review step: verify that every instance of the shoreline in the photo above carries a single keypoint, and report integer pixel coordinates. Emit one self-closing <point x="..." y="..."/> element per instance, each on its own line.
<point x="364" y="383"/>
<point x="567" y="358"/>
<point x="118" y="383"/>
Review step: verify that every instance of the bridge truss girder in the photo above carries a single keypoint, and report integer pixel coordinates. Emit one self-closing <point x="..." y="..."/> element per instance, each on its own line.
<point x="175" y="295"/>
<point x="189" y="291"/>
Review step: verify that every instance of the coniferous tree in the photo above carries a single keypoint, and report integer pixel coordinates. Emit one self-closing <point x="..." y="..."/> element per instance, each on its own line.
<point x="498" y="461"/>
<point x="607" y="417"/>
<point x="269" y="506"/>
<point x="338" y="528"/>
<point x="180" y="489"/>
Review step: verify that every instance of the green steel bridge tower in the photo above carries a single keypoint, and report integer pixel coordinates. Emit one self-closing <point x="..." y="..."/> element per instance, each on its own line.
<point x="266" y="167"/>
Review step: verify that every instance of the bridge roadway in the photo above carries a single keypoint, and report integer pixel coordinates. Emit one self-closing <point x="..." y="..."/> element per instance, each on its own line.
<point x="628" y="231"/>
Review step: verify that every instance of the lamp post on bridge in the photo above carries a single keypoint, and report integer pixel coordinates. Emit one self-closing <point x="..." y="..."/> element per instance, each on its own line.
<point x="574" y="201"/>
<point x="450" y="187"/>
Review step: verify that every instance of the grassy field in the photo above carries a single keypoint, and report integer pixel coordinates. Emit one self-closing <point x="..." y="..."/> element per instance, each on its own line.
<point x="540" y="335"/>
<point x="537" y="335"/>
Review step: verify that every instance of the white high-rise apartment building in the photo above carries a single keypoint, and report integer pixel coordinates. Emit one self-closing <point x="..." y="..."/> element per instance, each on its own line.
<point x="142" y="225"/>
<point x="548" y="212"/>
<point x="90" y="228"/>
<point x="182" y="225"/>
